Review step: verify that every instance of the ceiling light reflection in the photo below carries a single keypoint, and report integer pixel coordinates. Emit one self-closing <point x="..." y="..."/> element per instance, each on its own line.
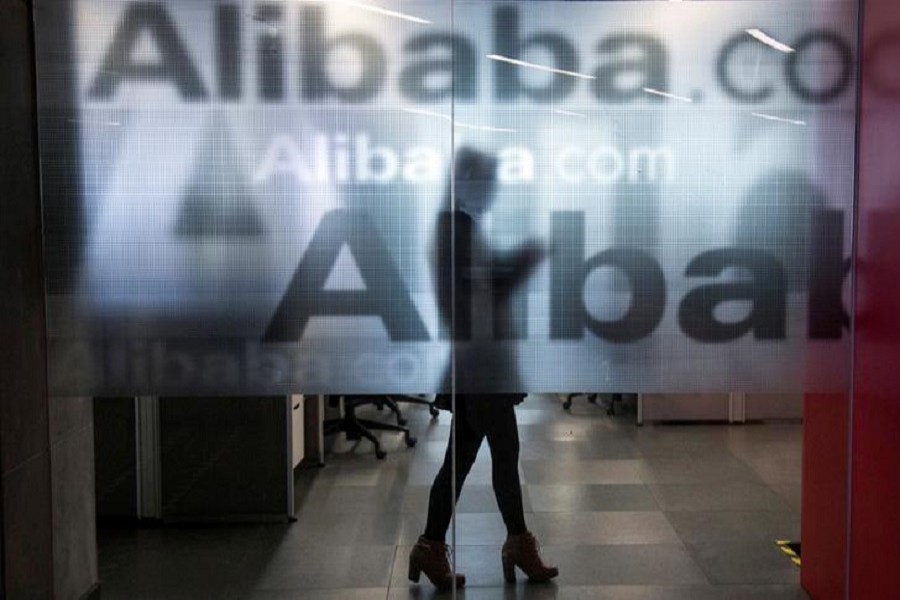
<point x="460" y="124"/>
<point x="770" y="41"/>
<point x="522" y="63"/>
<point x="381" y="11"/>
<point x="779" y="119"/>
<point x="667" y="95"/>
<point x="569" y="113"/>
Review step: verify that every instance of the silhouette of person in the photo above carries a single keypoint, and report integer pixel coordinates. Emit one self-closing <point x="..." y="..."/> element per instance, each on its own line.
<point x="475" y="285"/>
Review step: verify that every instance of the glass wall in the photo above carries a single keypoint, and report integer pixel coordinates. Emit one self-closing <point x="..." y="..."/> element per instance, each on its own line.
<point x="246" y="196"/>
<point x="475" y="199"/>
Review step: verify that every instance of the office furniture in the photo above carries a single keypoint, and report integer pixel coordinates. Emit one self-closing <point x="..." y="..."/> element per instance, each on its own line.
<point x="357" y="428"/>
<point x="614" y="401"/>
<point x="187" y="459"/>
<point x="725" y="408"/>
<point x="761" y="407"/>
<point x="735" y="407"/>
<point x="298" y="442"/>
<point x="410" y="399"/>
<point x="314" y="429"/>
<point x="567" y="403"/>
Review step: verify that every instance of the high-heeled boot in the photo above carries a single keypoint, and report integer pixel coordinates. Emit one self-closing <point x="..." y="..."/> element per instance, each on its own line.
<point x="431" y="558"/>
<point x="522" y="551"/>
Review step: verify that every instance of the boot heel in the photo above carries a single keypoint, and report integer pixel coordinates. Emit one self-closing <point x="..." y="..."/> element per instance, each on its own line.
<point x="509" y="571"/>
<point x="414" y="573"/>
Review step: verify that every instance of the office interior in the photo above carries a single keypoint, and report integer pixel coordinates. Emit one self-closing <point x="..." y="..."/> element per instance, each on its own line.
<point x="235" y="289"/>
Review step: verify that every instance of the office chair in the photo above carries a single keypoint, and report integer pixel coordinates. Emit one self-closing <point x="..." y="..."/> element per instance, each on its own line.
<point x="391" y="402"/>
<point x="567" y="403"/>
<point x="592" y="398"/>
<point x="356" y="428"/>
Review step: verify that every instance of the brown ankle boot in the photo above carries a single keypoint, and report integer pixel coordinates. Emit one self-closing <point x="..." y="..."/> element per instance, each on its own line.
<point x="522" y="551"/>
<point x="432" y="558"/>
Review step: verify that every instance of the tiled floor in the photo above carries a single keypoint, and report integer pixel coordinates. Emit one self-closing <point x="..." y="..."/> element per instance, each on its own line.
<point x="639" y="513"/>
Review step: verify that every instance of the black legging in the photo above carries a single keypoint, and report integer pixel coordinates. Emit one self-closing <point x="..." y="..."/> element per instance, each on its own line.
<point x="477" y="417"/>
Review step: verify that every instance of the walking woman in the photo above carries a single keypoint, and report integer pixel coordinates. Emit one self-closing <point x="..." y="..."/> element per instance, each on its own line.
<point x="475" y="285"/>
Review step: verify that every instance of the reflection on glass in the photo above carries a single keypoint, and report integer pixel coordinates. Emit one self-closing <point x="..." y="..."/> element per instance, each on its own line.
<point x="258" y="187"/>
<point x="248" y="197"/>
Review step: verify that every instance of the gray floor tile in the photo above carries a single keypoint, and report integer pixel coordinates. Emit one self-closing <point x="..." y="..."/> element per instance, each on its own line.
<point x="734" y="495"/>
<point x="583" y="528"/>
<point x="432" y="450"/>
<point x="759" y="592"/>
<point x="203" y="561"/>
<point x="535" y="416"/>
<point x="744" y="563"/>
<point x="584" y="471"/>
<point x="696" y="469"/>
<point x="776" y="468"/>
<point x="645" y="564"/>
<point x="477" y="529"/>
<point x="327" y="567"/>
<point x="762" y="435"/>
<point x="306" y="594"/>
<point x="424" y="472"/>
<point x="748" y="447"/>
<point x="356" y="499"/>
<point x="411" y="527"/>
<point x="579" y="566"/>
<point x="567" y="429"/>
<point x="560" y="591"/>
<point x="335" y="529"/>
<point x="608" y="449"/>
<point x="481" y="499"/>
<point x="521" y="591"/>
<point x="680" y="441"/>
<point x="791" y="492"/>
<point x="734" y="526"/>
<point x="543" y="449"/>
<point x="591" y="497"/>
<point x="183" y="592"/>
<point x="415" y="499"/>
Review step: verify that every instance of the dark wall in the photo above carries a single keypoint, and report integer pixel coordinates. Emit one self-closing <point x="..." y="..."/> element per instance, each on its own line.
<point x="46" y="446"/>
<point x="24" y="414"/>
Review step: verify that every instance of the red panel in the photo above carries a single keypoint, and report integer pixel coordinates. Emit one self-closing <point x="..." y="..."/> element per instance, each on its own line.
<point x="874" y="543"/>
<point x="875" y="464"/>
<point x="824" y="509"/>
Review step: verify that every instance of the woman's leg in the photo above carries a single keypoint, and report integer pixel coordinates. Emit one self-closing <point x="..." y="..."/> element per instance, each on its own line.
<point x="502" y="433"/>
<point x="440" y="499"/>
<point x="430" y="555"/>
<point x="521" y="548"/>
